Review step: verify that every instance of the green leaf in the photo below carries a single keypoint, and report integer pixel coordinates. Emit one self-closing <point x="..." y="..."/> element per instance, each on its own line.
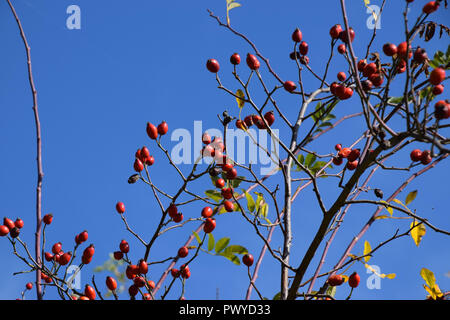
<point x="250" y="202"/>
<point x="197" y="237"/>
<point x="232" y="257"/>
<point x="233" y="5"/>
<point x="259" y="200"/>
<point x="331" y="291"/>
<point x="410" y="197"/>
<point x="237" y="181"/>
<point x="214" y="195"/>
<point x="235" y="248"/>
<point x="211" y="241"/>
<point x="221" y="244"/>
<point x="265" y="210"/>
<point x="395" y="100"/>
<point x="310" y="158"/>
<point x="277" y="296"/>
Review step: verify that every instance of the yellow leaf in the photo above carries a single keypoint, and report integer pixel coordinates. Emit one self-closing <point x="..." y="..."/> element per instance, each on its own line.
<point x="391" y="275"/>
<point x="240" y="102"/>
<point x="398" y="201"/>
<point x="428" y="276"/>
<point x="388" y="208"/>
<point x="381" y="217"/>
<point x="417" y="232"/>
<point x="367" y="250"/>
<point x="410" y="197"/>
<point x="344" y="277"/>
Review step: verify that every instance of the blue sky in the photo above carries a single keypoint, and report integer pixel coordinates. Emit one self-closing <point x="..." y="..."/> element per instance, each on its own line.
<point x="139" y="61"/>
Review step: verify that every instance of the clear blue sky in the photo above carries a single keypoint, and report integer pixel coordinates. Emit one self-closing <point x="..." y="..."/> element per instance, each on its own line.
<point x="139" y="61"/>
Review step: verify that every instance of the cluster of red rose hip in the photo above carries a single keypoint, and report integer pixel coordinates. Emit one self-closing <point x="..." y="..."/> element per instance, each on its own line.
<point x="337" y="280"/>
<point x="11" y="227"/>
<point x="352" y="156"/>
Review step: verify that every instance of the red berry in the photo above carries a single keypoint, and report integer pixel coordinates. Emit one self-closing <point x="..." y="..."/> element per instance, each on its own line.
<point x="235" y="59"/>
<point x="289" y="86"/>
<point x="48" y="218"/>
<point x="138" y="166"/>
<point x="351" y="165"/>
<point x="376" y="79"/>
<point x="89" y="292"/>
<point x="389" y="49"/>
<point x="14" y="232"/>
<point x="303" y="48"/>
<point x="89" y="251"/>
<point x="48" y="256"/>
<point x="338" y="147"/>
<point x="151" y="284"/>
<point x="342" y="48"/>
<point x="82" y="237"/>
<point x="344" y="152"/>
<point x="209" y="226"/>
<point x="139" y="282"/>
<point x="344" y="37"/>
<point x="163" y="128"/>
<point x="353" y="280"/>
<point x="175" y="272"/>
<point x="183" y="252"/>
<point x="227" y="167"/>
<point x="437" y="76"/>
<point x="4" y="230"/>
<point x="402" y="49"/>
<point x="341" y="76"/>
<point x="213" y="65"/>
<point x="207" y="212"/>
<point x="120" y="207"/>
<point x="172" y="210"/>
<point x="362" y="64"/>
<point x="415" y="155"/>
<point x="19" y="223"/>
<point x="247" y="259"/>
<point x="57" y="248"/>
<point x="152" y="131"/>
<point x="149" y="161"/>
<point x="248" y="121"/>
<point x="231" y="174"/>
<point x="111" y="283"/>
<point x="426" y="157"/>
<point x="227" y="193"/>
<point x="220" y="183"/>
<point x="252" y="62"/>
<point x="297" y="35"/>
<point x="270" y="118"/>
<point x="185" y="272"/>
<point x="65" y="258"/>
<point x="133" y="290"/>
<point x="124" y="246"/>
<point x="228" y="205"/>
<point x="29" y="286"/>
<point x="353" y="155"/>
<point x="337" y="161"/>
<point x="146" y="296"/>
<point x="178" y="218"/>
<point x="333" y="87"/>
<point x="367" y="85"/>
<point x="369" y="69"/>
<point x="9" y="223"/>
<point x="304" y="60"/>
<point x="437" y="90"/>
<point x="131" y="271"/>
<point x="430" y="7"/>
<point x="335" y="31"/>
<point x="335" y="280"/>
<point x="118" y="255"/>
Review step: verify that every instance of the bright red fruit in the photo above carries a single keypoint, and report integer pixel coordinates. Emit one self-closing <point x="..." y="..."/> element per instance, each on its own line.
<point x="207" y="212"/>
<point x="48" y="256"/>
<point x="89" y="292"/>
<point x="138" y="165"/>
<point x="152" y="131"/>
<point x="228" y="205"/>
<point x="437" y="90"/>
<point x="353" y="155"/>
<point x="402" y="48"/>
<point x="247" y="259"/>
<point x="337" y="161"/>
<point x="48" y="218"/>
<point x="420" y="55"/>
<point x="120" y="207"/>
<point x="185" y="272"/>
<point x="82" y="237"/>
<point x="235" y="59"/>
<point x="344" y="37"/>
<point x="289" y="86"/>
<point x="389" y="49"/>
<point x="111" y="283"/>
<point x="442" y="110"/>
<point x="430" y="7"/>
<point x="303" y="48"/>
<point x="209" y="226"/>
<point x="124" y="246"/>
<point x="351" y="165"/>
<point x="19" y="223"/>
<point x="335" y="31"/>
<point x="362" y="64"/>
<point x="227" y="193"/>
<point x="344" y="152"/>
<point x="143" y="266"/>
<point x="151" y="284"/>
<point x="213" y="65"/>
<point x="231" y="174"/>
<point x="415" y="155"/>
<point x="133" y="290"/>
<point x="175" y="272"/>
<point x="29" y="286"/>
<point x="163" y="128"/>
<point x="342" y="48"/>
<point x="118" y="255"/>
<point x="252" y="62"/>
<point x="353" y="280"/>
<point x="57" y="248"/>
<point x="65" y="258"/>
<point x="437" y="76"/>
<point x="183" y="252"/>
<point x="335" y="280"/>
<point x="4" y="230"/>
<point x="89" y="251"/>
<point x="139" y="282"/>
<point x="297" y="35"/>
<point x="220" y="183"/>
<point x="376" y="79"/>
<point x="178" y="218"/>
<point x="338" y="147"/>
<point x="9" y="223"/>
<point x="341" y="76"/>
<point x="172" y="210"/>
<point x="369" y="69"/>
